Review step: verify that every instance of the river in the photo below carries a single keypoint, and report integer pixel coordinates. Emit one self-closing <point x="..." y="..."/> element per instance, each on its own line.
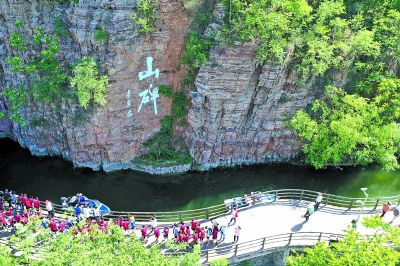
<point x="51" y="178"/>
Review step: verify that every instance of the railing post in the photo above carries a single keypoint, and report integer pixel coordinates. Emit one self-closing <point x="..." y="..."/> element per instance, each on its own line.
<point x="351" y="204"/>
<point x="320" y="236"/>
<point x="180" y="217"/>
<point x="376" y="204"/>
<point x="398" y="203"/>
<point x="290" y="239"/>
<point x="276" y="196"/>
<point x="263" y="244"/>
<point x="207" y="255"/>
<point x="236" y="249"/>
<point x="208" y="214"/>
<point x="301" y="196"/>
<point x="327" y="199"/>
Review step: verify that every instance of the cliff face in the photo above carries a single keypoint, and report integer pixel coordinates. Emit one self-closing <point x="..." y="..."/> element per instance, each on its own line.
<point x="238" y="107"/>
<point x="110" y="136"/>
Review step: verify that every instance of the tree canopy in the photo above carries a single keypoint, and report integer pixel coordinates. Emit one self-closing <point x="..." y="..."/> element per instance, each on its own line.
<point x="95" y="248"/>
<point x="355" y="249"/>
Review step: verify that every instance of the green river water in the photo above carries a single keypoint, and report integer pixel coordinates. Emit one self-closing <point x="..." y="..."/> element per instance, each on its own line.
<point x="51" y="178"/>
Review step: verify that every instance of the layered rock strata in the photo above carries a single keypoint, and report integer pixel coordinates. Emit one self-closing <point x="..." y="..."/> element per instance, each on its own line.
<point x="240" y="109"/>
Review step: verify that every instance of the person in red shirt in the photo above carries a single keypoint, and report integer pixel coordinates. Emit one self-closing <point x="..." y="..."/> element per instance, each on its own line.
<point x="28" y="203"/>
<point x="385" y="209"/>
<point x="143" y="231"/>
<point x="194" y="225"/>
<point x="180" y="237"/>
<point x="202" y="234"/>
<point x="195" y="238"/>
<point x="182" y="228"/>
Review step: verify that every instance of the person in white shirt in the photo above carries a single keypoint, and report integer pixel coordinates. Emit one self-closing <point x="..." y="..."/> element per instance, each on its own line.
<point x="318" y="201"/>
<point x="86" y="212"/>
<point x="49" y="208"/>
<point x="237" y="233"/>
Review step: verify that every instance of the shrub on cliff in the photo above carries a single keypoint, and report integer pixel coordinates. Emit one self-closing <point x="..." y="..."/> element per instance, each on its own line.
<point x="145" y="15"/>
<point x="88" y="83"/>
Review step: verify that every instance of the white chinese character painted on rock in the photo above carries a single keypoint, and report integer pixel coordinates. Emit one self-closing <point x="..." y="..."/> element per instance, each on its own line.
<point x="149" y="72"/>
<point x="149" y="95"/>
<point x="128" y="103"/>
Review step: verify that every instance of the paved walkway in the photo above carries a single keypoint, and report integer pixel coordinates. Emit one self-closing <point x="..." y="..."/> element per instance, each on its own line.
<point x="286" y="217"/>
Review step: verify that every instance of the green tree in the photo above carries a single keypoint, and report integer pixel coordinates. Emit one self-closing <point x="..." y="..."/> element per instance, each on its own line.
<point x="355" y="249"/>
<point x="88" y="83"/>
<point x="99" y="248"/>
<point x="350" y="129"/>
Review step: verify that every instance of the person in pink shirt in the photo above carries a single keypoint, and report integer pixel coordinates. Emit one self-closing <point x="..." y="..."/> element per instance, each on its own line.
<point x="53" y="226"/>
<point x="125" y="225"/>
<point x="36" y="203"/>
<point x="166" y="232"/>
<point x="157" y="233"/>
<point x="17" y="217"/>
<point x="188" y="230"/>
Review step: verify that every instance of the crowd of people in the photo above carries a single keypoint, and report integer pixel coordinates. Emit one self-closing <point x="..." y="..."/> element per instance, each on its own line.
<point x="20" y="209"/>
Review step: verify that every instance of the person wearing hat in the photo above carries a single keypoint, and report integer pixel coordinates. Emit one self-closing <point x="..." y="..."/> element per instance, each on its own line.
<point x="385" y="209"/>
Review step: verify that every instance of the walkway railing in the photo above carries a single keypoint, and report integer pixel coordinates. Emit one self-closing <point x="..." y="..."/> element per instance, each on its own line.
<point x="345" y="203"/>
<point x="270" y="243"/>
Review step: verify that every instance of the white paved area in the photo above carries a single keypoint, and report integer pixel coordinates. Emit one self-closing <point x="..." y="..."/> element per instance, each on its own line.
<point x="286" y="217"/>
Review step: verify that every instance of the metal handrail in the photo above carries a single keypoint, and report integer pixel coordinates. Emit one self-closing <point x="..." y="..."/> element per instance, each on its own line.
<point x="285" y="240"/>
<point x="220" y="209"/>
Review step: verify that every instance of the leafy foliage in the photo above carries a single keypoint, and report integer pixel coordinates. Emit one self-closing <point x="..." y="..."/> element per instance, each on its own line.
<point x="99" y="248"/>
<point x="88" y="83"/>
<point x="197" y="49"/>
<point x="16" y="97"/>
<point x="145" y="15"/>
<point x="345" y="128"/>
<point x="17" y="42"/>
<point x="162" y="148"/>
<point x="100" y="35"/>
<point x="60" y="29"/>
<point x="324" y="35"/>
<point x="354" y="249"/>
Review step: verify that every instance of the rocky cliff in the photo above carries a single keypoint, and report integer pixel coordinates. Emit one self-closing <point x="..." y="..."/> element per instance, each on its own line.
<point x="238" y="106"/>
